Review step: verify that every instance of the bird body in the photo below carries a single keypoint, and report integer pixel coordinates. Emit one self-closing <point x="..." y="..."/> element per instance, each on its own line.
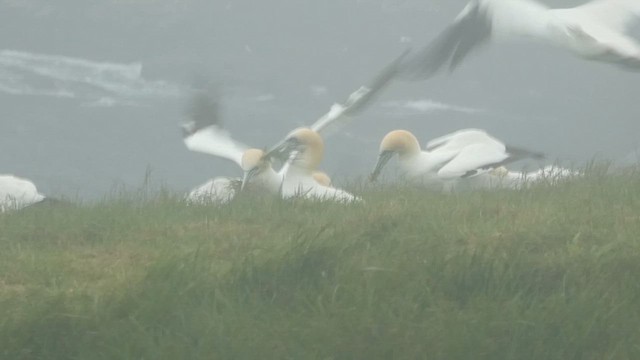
<point x="17" y="193"/>
<point x="447" y="159"/>
<point x="203" y="133"/>
<point x="307" y="148"/>
<point x="219" y="190"/>
<point x="501" y="177"/>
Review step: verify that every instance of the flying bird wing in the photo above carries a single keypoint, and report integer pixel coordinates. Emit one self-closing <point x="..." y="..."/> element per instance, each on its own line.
<point x="478" y="22"/>
<point x="617" y="15"/>
<point x="359" y="99"/>
<point x="469" y="30"/>
<point x="203" y="132"/>
<point x="341" y="113"/>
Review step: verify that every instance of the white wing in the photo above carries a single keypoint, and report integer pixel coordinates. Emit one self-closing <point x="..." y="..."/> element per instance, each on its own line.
<point x="215" y="141"/>
<point x="457" y="140"/>
<point x="478" y="22"/>
<point x="358" y="100"/>
<point x="471" y="159"/>
<point x="617" y="15"/>
<point x="473" y="150"/>
<point x="203" y="133"/>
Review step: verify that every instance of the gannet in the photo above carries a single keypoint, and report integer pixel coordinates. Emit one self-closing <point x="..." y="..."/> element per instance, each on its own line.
<point x="596" y="31"/>
<point x="203" y="133"/>
<point x="303" y="148"/>
<point x="550" y="174"/>
<point x="221" y="190"/>
<point x="503" y="178"/>
<point x="307" y="149"/>
<point x="17" y="193"/>
<point x="461" y="154"/>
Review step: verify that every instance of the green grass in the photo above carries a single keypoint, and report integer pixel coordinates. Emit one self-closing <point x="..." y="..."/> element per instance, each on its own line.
<point x="550" y="272"/>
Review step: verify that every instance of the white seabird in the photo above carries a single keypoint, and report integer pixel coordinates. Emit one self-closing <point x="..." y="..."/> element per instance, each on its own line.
<point x="596" y="31"/>
<point x="461" y="154"/>
<point x="221" y="189"/>
<point x="503" y="178"/>
<point x="17" y="193"/>
<point x="307" y="149"/>
<point x="203" y="133"/>
<point x="303" y="148"/>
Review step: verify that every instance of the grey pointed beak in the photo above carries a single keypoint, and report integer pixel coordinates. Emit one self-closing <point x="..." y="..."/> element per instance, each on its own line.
<point x="383" y="159"/>
<point x="248" y="176"/>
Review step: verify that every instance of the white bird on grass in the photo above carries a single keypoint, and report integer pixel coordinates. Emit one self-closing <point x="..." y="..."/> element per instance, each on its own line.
<point x="203" y="133"/>
<point x="307" y="150"/>
<point x="17" y="193"/>
<point x="303" y="148"/>
<point x="221" y="190"/>
<point x="447" y="159"/>
<point x="596" y="31"/>
<point x="503" y="178"/>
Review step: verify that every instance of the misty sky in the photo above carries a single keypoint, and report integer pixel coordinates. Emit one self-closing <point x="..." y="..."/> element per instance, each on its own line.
<point x="92" y="92"/>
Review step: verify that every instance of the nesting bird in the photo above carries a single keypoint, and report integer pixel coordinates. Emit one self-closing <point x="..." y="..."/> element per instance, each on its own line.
<point x="17" y="193"/>
<point x="596" y="31"/>
<point x="299" y="175"/>
<point x="307" y="151"/>
<point x="203" y="133"/>
<point x="459" y="155"/>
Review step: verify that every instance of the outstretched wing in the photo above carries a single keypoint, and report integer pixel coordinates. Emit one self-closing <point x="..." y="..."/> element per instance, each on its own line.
<point x="203" y="132"/>
<point x="359" y="99"/>
<point x="341" y="114"/>
<point x="618" y="15"/>
<point x="478" y="22"/>
<point x="470" y="30"/>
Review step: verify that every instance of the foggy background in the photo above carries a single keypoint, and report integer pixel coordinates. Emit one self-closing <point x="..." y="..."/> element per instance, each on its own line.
<point x="92" y="92"/>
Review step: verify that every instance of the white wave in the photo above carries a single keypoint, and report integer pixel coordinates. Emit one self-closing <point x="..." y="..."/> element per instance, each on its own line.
<point x="69" y="77"/>
<point x="422" y="106"/>
<point x="23" y="89"/>
<point x="108" y="102"/>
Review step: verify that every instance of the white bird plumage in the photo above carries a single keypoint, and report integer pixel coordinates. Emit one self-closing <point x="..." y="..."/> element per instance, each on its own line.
<point x="219" y="190"/>
<point x="203" y="133"/>
<point x="17" y="193"/>
<point x="595" y="31"/>
<point x="461" y="154"/>
<point x="502" y="177"/>
<point x="303" y="148"/>
<point x="299" y="179"/>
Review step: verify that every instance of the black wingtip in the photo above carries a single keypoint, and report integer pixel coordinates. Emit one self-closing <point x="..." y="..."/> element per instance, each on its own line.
<point x="451" y="46"/>
<point x="203" y="108"/>
<point x="517" y="153"/>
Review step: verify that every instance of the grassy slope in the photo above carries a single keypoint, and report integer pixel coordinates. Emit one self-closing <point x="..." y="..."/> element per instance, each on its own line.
<point x="544" y="273"/>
